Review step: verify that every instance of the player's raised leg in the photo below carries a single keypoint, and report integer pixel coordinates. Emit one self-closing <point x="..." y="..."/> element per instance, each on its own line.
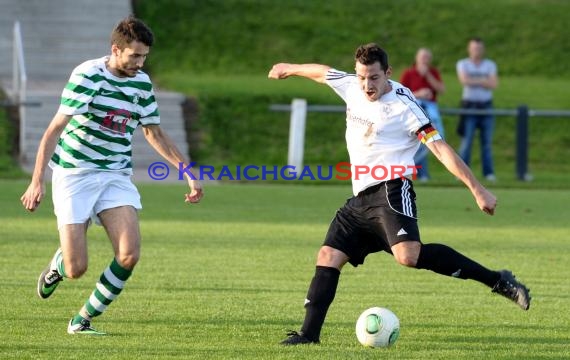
<point x="444" y="260"/>
<point x="69" y="261"/>
<point x="121" y="224"/>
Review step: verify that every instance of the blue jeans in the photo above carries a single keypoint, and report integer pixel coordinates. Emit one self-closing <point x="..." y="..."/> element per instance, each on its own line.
<point x="421" y="157"/>
<point x="486" y="125"/>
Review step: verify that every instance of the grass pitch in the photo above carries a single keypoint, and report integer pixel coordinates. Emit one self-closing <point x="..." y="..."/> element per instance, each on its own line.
<point x="226" y="278"/>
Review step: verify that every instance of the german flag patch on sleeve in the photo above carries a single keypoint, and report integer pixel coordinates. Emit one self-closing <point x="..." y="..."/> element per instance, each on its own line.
<point x="427" y="134"/>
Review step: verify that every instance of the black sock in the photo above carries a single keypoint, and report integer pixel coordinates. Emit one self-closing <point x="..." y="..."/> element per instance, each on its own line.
<point x="319" y="297"/>
<point x="444" y="260"/>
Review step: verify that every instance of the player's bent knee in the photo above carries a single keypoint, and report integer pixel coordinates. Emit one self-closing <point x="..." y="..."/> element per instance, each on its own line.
<point x="326" y="254"/>
<point x="331" y="257"/>
<point x="128" y="261"/>
<point x="75" y="270"/>
<point x="407" y="253"/>
<point x="408" y="261"/>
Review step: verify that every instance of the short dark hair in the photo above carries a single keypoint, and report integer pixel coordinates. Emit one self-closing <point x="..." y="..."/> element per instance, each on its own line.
<point x="131" y="29"/>
<point x="370" y="53"/>
<point x="476" y="39"/>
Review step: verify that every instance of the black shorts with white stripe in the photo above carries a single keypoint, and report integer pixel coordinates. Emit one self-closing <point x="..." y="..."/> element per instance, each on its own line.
<point x="375" y="220"/>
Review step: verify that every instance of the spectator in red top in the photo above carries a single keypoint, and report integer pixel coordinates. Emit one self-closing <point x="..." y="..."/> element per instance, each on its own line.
<point x="425" y="82"/>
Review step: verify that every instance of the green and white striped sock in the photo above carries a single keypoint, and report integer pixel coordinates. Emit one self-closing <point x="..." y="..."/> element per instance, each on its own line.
<point x="108" y="287"/>
<point x="59" y="264"/>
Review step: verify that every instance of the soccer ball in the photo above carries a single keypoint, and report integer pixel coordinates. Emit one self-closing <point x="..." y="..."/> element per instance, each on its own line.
<point x="377" y="327"/>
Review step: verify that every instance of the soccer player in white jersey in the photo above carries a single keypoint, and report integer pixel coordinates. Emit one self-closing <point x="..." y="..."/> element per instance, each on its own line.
<point x="384" y="127"/>
<point x="88" y="147"/>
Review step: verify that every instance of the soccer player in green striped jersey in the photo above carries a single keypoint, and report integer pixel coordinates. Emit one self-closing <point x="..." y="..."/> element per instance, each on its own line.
<point x="88" y="147"/>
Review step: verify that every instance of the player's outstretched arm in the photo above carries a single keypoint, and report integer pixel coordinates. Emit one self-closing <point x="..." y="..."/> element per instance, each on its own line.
<point x="448" y="157"/>
<point x="32" y="198"/>
<point x="315" y="72"/>
<point x="164" y="145"/>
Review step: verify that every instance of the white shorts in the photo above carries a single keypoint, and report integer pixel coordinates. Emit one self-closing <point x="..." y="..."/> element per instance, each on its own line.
<point x="80" y="197"/>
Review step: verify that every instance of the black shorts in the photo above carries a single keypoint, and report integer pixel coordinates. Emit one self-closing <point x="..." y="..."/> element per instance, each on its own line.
<point x="375" y="220"/>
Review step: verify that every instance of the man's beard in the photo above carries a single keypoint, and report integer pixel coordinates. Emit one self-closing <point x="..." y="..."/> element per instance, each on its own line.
<point x="125" y="72"/>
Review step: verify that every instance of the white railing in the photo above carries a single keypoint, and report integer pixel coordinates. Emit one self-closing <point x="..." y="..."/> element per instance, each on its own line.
<point x="19" y="82"/>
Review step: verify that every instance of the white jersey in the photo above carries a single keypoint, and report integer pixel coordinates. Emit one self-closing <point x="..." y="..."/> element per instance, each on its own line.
<point x="105" y="111"/>
<point x="383" y="133"/>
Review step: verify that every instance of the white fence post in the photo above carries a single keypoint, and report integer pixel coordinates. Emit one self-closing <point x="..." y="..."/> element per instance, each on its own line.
<point x="19" y="83"/>
<point x="297" y="133"/>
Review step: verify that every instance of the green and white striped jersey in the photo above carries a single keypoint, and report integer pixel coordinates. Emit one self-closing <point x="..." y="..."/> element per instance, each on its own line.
<point x="105" y="111"/>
